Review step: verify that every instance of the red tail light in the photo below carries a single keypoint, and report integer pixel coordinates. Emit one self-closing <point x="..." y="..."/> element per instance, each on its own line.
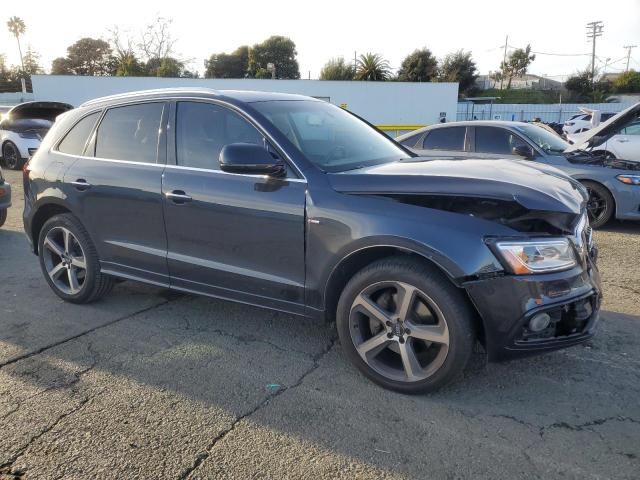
<point x="26" y="169"/>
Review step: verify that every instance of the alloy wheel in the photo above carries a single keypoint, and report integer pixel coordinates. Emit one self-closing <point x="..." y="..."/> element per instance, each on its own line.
<point x="399" y="331"/>
<point x="596" y="206"/>
<point x="11" y="157"/>
<point x="64" y="260"/>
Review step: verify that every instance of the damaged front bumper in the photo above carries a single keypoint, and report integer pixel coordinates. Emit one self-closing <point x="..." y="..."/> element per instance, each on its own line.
<point x="508" y="303"/>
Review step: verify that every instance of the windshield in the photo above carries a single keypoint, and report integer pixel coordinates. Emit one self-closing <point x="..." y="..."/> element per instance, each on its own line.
<point x="331" y="138"/>
<point x="547" y="141"/>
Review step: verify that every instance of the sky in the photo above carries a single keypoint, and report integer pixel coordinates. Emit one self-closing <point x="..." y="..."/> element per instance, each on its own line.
<point x="331" y="28"/>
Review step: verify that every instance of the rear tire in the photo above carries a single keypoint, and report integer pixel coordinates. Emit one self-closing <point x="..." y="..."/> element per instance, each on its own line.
<point x="3" y="216"/>
<point x="405" y="326"/>
<point x="11" y="156"/>
<point x="600" y="206"/>
<point x="69" y="261"/>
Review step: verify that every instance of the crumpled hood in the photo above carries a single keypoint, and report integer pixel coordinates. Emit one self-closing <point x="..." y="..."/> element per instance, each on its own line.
<point x="602" y="132"/>
<point x="532" y="185"/>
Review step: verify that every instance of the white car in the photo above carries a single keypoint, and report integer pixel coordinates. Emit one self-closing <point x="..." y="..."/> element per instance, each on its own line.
<point x="611" y="138"/>
<point x="584" y="121"/>
<point x="22" y="129"/>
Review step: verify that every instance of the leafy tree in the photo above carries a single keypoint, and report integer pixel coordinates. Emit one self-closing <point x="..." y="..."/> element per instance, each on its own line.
<point x="419" y="66"/>
<point x="88" y="56"/>
<point x="582" y="88"/>
<point x="337" y="69"/>
<point x="517" y="64"/>
<point x="459" y="67"/>
<point x="32" y="62"/>
<point x="165" y="67"/>
<point x="371" y="66"/>
<point x="128" y="65"/>
<point x="17" y="27"/>
<point x="628" y="82"/>
<point x="228" y="65"/>
<point x="278" y="50"/>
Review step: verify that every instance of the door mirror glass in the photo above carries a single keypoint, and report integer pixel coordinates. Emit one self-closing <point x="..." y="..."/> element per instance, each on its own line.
<point x="524" y="151"/>
<point x="250" y="159"/>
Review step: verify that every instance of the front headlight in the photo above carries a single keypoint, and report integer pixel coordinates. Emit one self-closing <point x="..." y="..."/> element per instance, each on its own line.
<point x="537" y="256"/>
<point x="629" y="179"/>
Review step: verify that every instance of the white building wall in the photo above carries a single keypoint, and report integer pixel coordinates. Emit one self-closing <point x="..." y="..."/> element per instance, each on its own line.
<point x="381" y="103"/>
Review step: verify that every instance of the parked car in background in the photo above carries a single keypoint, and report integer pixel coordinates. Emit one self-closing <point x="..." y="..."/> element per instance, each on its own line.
<point x="23" y="127"/>
<point x="584" y="121"/>
<point x="618" y="137"/>
<point x="294" y="204"/>
<point x="5" y="198"/>
<point x="613" y="184"/>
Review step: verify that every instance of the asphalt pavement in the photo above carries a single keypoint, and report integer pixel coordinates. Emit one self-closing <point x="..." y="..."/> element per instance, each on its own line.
<point x="152" y="384"/>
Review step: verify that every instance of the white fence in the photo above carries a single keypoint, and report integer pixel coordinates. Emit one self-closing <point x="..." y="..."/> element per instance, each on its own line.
<point x="554" y="112"/>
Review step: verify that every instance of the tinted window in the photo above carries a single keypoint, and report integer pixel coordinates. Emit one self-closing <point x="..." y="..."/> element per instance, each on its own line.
<point x="74" y="141"/>
<point x="204" y="128"/>
<point x="631" y="129"/>
<point x="130" y="133"/>
<point x="451" y="138"/>
<point x="496" y="140"/>
<point x="411" y="141"/>
<point x="606" y="116"/>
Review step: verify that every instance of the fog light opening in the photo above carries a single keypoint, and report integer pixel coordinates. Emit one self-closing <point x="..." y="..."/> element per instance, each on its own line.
<point x="539" y="322"/>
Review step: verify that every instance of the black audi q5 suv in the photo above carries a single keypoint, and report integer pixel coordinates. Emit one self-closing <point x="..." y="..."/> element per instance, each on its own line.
<point x="290" y="203"/>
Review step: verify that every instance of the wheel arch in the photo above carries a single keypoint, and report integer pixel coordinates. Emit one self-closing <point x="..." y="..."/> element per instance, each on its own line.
<point x="603" y="185"/>
<point x="353" y="262"/>
<point x="43" y="213"/>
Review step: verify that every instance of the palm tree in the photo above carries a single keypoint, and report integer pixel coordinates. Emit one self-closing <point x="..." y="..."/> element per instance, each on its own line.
<point x="372" y="66"/>
<point x="17" y="27"/>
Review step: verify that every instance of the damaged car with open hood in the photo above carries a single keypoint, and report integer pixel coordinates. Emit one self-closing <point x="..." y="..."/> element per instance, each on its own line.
<point x="23" y="127"/>
<point x="293" y="204"/>
<point x="604" y="159"/>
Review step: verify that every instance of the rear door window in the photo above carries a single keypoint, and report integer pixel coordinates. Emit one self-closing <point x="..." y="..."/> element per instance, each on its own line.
<point x="74" y="141"/>
<point x="130" y="133"/>
<point x="449" y="138"/>
<point x="496" y="140"/>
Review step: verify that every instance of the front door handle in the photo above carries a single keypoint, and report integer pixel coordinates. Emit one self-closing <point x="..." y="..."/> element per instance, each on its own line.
<point x="81" y="184"/>
<point x="178" y="196"/>
<point x="623" y="140"/>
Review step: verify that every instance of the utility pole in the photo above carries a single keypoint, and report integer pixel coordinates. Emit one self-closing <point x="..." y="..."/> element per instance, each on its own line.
<point x="629" y="48"/>
<point x="504" y="61"/>
<point x="594" y="30"/>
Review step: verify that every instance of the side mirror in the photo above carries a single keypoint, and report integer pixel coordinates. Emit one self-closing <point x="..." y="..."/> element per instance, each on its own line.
<point x="251" y="159"/>
<point x="524" y="151"/>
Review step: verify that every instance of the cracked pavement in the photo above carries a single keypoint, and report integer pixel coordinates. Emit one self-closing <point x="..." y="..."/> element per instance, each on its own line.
<point x="151" y="384"/>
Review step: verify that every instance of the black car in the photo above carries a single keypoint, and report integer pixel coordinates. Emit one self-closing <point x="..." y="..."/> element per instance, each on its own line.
<point x="293" y="204"/>
<point x="5" y="198"/>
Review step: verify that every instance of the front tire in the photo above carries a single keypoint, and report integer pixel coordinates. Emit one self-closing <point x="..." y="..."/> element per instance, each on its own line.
<point x="11" y="156"/>
<point x="600" y="206"/>
<point x="405" y="326"/>
<point x="3" y="216"/>
<point x="69" y="261"/>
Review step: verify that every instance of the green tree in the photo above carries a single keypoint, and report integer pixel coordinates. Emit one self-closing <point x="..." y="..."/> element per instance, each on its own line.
<point x="165" y="67"/>
<point x="582" y="88"/>
<point x="627" y="82"/>
<point x="517" y="64"/>
<point x="277" y="50"/>
<point x="372" y="67"/>
<point x="32" y="62"/>
<point x="88" y="56"/>
<point x="337" y="69"/>
<point x="128" y="65"/>
<point x="228" y="65"/>
<point x="419" y="66"/>
<point x="17" y="27"/>
<point x="459" y="67"/>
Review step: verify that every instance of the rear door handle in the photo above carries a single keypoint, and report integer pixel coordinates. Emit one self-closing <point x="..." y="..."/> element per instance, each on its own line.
<point x="81" y="184"/>
<point x="178" y="196"/>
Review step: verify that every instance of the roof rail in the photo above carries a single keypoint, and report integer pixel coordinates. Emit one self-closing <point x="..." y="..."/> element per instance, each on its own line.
<point x="141" y="93"/>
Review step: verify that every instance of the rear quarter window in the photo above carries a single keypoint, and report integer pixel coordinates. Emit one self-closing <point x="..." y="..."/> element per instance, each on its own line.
<point x="75" y="140"/>
<point x="448" y="138"/>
